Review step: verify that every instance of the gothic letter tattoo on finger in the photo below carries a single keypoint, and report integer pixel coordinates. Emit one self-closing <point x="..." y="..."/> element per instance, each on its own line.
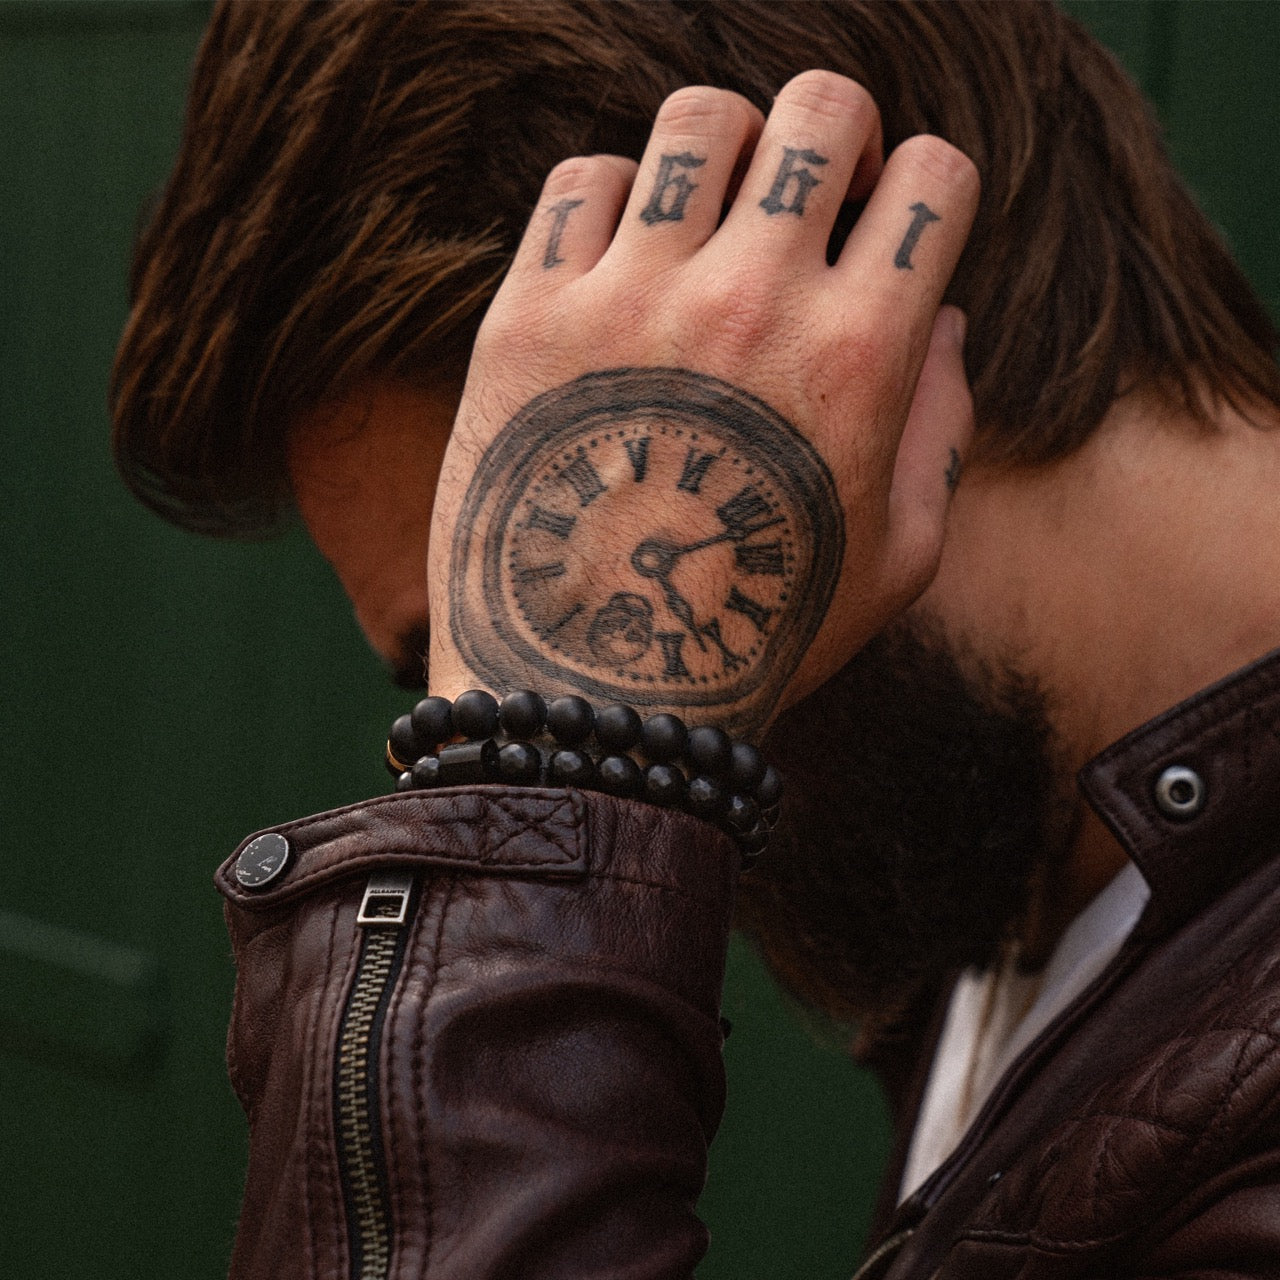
<point x="647" y="535"/>
<point x="559" y="216"/>
<point x="922" y="215"/>
<point x="954" y="467"/>
<point x="671" y="188"/>
<point x="790" y="171"/>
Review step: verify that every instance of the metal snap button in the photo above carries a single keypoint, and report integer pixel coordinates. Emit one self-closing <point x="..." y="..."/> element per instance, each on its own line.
<point x="1180" y="792"/>
<point x="262" y="860"/>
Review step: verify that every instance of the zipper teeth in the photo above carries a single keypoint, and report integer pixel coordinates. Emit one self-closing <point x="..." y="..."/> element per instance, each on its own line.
<point x="355" y="1123"/>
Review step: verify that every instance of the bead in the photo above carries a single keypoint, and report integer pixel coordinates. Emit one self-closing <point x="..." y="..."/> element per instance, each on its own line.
<point x="746" y="768"/>
<point x="664" y="737"/>
<point x="769" y="788"/>
<point x="433" y="721"/>
<point x="741" y="814"/>
<point x="706" y="797"/>
<point x="405" y="744"/>
<point x="710" y="749"/>
<point x="519" y="763"/>
<point x="663" y="784"/>
<point x="522" y="714"/>
<point x="571" y="769"/>
<point x="475" y="714"/>
<point x="404" y="782"/>
<point x="570" y="720"/>
<point x="619" y="775"/>
<point x="426" y="773"/>
<point x="394" y="767"/>
<point x="468" y="762"/>
<point x="618" y="727"/>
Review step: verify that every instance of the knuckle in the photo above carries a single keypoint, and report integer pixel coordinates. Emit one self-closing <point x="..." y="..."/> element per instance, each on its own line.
<point x="827" y="94"/>
<point x="734" y="312"/>
<point x="700" y="108"/>
<point x="575" y="173"/>
<point x="938" y="159"/>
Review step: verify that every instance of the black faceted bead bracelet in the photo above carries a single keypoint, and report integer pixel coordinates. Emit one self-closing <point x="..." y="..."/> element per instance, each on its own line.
<point x="525" y="741"/>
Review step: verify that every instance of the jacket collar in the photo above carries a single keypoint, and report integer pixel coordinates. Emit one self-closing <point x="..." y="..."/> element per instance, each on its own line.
<point x="1192" y="834"/>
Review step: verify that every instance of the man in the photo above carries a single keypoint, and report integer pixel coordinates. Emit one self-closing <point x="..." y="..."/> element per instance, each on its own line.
<point x="704" y="460"/>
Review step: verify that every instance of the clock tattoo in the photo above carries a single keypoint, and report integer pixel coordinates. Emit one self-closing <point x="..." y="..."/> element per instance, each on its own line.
<point x="650" y="536"/>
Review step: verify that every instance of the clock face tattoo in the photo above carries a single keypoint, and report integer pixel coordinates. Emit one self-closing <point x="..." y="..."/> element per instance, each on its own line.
<point x="649" y="536"/>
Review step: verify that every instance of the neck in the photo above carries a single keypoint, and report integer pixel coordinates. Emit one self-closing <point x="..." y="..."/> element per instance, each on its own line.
<point x="1123" y="578"/>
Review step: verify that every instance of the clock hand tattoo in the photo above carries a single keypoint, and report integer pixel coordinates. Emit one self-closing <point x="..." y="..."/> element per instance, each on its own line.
<point x="652" y="536"/>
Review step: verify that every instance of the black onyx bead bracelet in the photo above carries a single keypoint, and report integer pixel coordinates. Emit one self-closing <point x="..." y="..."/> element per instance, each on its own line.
<point x="524" y="741"/>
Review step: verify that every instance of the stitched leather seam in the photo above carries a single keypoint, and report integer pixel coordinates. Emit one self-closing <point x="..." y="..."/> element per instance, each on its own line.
<point x="419" y="1055"/>
<point x="574" y="821"/>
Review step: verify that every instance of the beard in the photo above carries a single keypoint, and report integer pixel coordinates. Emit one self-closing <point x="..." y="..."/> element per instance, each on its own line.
<point x="922" y="809"/>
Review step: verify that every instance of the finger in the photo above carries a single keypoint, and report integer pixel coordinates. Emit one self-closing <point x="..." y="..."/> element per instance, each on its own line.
<point x="900" y="255"/>
<point x="679" y="193"/>
<point x="935" y="442"/>
<point x="575" y="217"/>
<point x="820" y="147"/>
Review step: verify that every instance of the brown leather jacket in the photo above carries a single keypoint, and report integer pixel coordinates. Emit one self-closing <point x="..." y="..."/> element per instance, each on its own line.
<point x="512" y="1069"/>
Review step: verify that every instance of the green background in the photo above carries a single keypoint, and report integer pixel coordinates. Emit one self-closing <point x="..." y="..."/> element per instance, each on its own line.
<point x="162" y="696"/>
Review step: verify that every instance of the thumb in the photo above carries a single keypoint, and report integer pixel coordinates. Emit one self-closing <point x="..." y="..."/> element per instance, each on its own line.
<point x="935" y="442"/>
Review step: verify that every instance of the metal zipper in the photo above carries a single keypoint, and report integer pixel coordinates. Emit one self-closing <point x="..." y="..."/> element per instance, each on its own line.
<point x="384" y="911"/>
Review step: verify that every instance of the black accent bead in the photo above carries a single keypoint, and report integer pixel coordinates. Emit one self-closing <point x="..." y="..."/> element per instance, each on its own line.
<point x="433" y="721"/>
<point x="710" y="750"/>
<point x="619" y="775"/>
<point x="571" y="720"/>
<point x="741" y="814"/>
<point x="404" y="742"/>
<point x="468" y="762"/>
<point x="475" y="714"/>
<point x="664" y="737"/>
<point x="522" y="714"/>
<point x="618" y="727"/>
<point x="769" y="788"/>
<point x="746" y="768"/>
<point x="663" y="784"/>
<point x="426" y="773"/>
<point x="571" y="769"/>
<point x="404" y="782"/>
<point x="706" y="797"/>
<point x="519" y="763"/>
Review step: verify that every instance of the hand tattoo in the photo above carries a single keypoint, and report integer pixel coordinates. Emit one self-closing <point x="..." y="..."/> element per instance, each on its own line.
<point x="923" y="215"/>
<point x="789" y="171"/>
<point x="559" y="216"/>
<point x="652" y="536"/>
<point x="954" y="468"/>
<point x="678" y="185"/>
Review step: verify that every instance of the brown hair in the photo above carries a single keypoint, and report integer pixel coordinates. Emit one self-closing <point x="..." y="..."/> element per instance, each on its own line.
<point x="353" y="178"/>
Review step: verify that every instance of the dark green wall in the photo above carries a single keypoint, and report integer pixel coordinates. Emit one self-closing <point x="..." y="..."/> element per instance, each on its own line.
<point x="162" y="696"/>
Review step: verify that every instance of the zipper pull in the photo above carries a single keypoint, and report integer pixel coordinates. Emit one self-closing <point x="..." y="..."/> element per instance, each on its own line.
<point x="386" y="898"/>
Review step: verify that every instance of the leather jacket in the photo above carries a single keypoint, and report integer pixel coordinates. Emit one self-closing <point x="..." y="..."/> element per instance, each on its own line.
<point x="512" y="1067"/>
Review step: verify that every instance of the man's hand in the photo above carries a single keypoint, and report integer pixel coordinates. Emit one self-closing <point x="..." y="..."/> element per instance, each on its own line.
<point x="696" y="467"/>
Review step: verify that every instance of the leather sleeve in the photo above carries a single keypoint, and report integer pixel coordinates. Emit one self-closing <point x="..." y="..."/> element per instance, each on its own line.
<point x="521" y="1080"/>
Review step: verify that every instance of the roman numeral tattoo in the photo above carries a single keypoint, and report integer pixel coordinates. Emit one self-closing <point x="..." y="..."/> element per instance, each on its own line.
<point x="922" y="215"/>
<point x="732" y="661"/>
<point x="638" y="455"/>
<point x="584" y="478"/>
<point x="755" y="612"/>
<point x="763" y="557"/>
<point x="541" y="572"/>
<point x="672" y="643"/>
<point x="564" y="621"/>
<point x="745" y="513"/>
<point x="559" y="216"/>
<point x="550" y="522"/>
<point x="696" y="466"/>
<point x="788" y="171"/>
<point x="670" y="182"/>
